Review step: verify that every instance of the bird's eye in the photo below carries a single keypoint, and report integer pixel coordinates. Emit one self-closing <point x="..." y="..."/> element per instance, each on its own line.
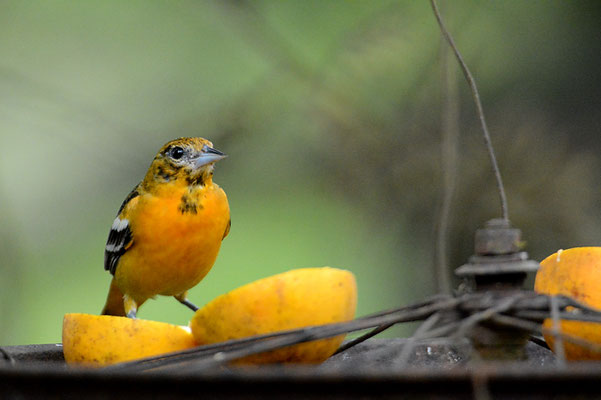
<point x="176" y="153"/>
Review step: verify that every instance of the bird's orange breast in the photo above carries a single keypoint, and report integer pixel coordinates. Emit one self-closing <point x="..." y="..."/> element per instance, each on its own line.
<point x="176" y="237"/>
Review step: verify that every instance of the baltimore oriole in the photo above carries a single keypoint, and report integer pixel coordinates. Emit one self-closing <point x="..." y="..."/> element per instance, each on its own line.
<point x="168" y="231"/>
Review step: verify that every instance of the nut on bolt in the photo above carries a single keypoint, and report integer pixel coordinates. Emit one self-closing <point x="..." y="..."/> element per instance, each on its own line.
<point x="498" y="258"/>
<point x="497" y="237"/>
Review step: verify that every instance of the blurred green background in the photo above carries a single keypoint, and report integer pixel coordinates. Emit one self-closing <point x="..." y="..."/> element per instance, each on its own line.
<point x="331" y="114"/>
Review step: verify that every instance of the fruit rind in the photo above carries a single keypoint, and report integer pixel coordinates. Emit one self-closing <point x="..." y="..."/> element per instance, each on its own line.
<point x="100" y="340"/>
<point x="293" y="299"/>
<point x="574" y="272"/>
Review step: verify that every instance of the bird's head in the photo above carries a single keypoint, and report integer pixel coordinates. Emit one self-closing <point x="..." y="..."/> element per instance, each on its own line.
<point x="187" y="161"/>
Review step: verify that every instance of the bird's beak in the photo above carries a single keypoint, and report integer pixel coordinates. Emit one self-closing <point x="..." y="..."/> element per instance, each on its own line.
<point x="208" y="155"/>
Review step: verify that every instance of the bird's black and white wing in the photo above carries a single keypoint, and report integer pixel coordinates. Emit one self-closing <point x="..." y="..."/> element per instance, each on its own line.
<point x="120" y="237"/>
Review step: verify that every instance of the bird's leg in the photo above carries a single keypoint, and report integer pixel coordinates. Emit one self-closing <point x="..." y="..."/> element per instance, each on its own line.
<point x="131" y="307"/>
<point x="183" y="298"/>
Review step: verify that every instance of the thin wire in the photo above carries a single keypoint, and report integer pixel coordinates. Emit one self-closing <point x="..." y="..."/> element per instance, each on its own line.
<point x="559" y="343"/>
<point x="362" y="338"/>
<point x="539" y="316"/>
<point x="535" y="326"/>
<point x="450" y="134"/>
<point x="10" y="359"/>
<point x="480" y="307"/>
<point x="216" y="354"/>
<point x="474" y="319"/>
<point x="381" y="328"/>
<point x="476" y="96"/>
<point x="418" y="335"/>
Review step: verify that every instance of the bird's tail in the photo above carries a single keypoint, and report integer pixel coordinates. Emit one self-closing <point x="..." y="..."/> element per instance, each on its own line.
<point x="114" y="301"/>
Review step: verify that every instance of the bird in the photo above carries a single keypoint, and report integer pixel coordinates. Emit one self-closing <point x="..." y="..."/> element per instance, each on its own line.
<point x="168" y="230"/>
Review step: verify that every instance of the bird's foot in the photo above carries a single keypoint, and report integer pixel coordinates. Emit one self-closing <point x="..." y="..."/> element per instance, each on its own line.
<point x="182" y="298"/>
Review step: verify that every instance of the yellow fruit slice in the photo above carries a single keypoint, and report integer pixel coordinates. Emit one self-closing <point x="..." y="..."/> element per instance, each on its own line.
<point x="100" y="340"/>
<point x="576" y="273"/>
<point x="294" y="299"/>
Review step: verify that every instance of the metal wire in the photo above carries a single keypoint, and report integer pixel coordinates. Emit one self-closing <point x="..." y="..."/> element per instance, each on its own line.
<point x="382" y="328"/>
<point x="523" y="310"/>
<point x="211" y="355"/>
<point x="560" y="351"/>
<point x="449" y="128"/>
<point x="7" y="356"/>
<point x="362" y="338"/>
<point x="469" y="322"/>
<point x="479" y="109"/>
<point x="533" y="327"/>
<point x="419" y="334"/>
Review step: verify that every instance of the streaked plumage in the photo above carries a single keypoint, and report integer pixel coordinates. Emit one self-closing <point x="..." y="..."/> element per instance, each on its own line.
<point x="168" y="231"/>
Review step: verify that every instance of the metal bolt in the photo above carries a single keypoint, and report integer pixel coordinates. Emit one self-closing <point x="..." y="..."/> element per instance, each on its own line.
<point x="497" y="237"/>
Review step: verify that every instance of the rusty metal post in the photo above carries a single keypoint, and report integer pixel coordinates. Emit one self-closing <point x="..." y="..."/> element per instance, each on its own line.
<point x="499" y="267"/>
